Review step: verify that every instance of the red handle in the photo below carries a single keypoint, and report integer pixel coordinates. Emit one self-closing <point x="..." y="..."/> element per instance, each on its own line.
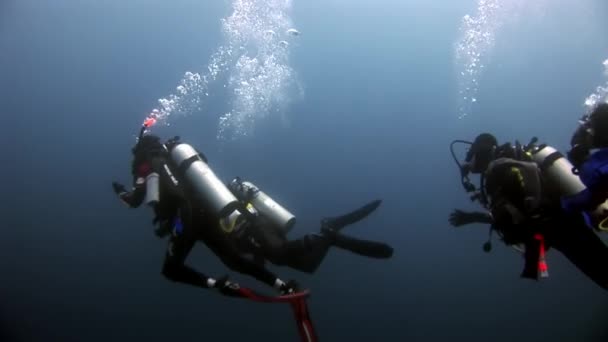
<point x="298" y="306"/>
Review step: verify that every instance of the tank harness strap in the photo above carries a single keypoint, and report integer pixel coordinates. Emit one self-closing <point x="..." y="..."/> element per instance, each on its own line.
<point x="181" y="168"/>
<point x="550" y="160"/>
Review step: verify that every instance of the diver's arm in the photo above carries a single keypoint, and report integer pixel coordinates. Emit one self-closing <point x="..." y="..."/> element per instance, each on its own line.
<point x="577" y="202"/>
<point x="261" y="273"/>
<point x="482" y="217"/>
<point x="232" y="257"/>
<point x="133" y="198"/>
<point x="595" y="178"/>
<point x="182" y="273"/>
<point x="594" y="174"/>
<point x="176" y="270"/>
<point x="586" y="200"/>
<point x="460" y="218"/>
<point x="236" y="262"/>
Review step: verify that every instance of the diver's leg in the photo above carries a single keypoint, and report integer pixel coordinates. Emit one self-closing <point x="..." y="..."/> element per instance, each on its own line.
<point x="307" y="253"/>
<point x="584" y="249"/>
<point x="174" y="267"/>
<point x="304" y="254"/>
<point x="371" y="249"/>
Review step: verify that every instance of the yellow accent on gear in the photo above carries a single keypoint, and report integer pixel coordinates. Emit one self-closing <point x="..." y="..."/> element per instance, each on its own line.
<point x="603" y="225"/>
<point x="519" y="176"/>
<point x="227" y="225"/>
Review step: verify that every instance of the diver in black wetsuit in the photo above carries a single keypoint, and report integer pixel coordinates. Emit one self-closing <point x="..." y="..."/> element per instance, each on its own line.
<point x="149" y="157"/>
<point x="238" y="232"/>
<point x="521" y="189"/>
<point x="154" y="184"/>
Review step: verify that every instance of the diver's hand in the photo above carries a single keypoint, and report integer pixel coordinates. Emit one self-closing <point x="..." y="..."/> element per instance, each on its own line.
<point x="289" y="288"/>
<point x="227" y="288"/>
<point x="162" y="231"/>
<point x="164" y="228"/>
<point x="460" y="218"/>
<point x="118" y="188"/>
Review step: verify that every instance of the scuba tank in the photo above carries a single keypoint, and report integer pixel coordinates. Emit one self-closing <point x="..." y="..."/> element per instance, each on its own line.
<point x="559" y="173"/>
<point x="264" y="204"/>
<point x="146" y="149"/>
<point x="557" y="170"/>
<point x="152" y="189"/>
<point x="205" y="187"/>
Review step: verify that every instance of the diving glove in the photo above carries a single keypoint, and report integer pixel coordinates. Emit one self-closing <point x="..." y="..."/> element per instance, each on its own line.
<point x="227" y="288"/>
<point x="164" y="227"/>
<point x="288" y="288"/>
<point x="118" y="188"/>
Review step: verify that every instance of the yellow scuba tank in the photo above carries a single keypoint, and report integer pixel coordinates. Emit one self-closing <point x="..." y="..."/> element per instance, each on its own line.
<point x="263" y="204"/>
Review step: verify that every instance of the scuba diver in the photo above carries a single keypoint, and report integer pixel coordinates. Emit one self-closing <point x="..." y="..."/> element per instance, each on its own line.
<point x="520" y="188"/>
<point x="192" y="204"/>
<point x="592" y="168"/>
<point x="154" y="185"/>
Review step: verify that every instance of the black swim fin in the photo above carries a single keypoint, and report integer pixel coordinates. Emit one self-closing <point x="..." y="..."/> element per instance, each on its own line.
<point x="339" y="222"/>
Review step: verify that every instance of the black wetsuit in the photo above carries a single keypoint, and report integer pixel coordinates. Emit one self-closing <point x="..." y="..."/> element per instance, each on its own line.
<point x="567" y="233"/>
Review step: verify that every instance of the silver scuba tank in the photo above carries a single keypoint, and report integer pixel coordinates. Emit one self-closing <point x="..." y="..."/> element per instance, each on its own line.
<point x="206" y="188"/>
<point x="557" y="170"/>
<point x="152" y="189"/>
<point x="263" y="204"/>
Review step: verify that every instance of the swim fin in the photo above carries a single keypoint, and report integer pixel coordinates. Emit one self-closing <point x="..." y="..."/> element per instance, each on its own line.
<point x="339" y="222"/>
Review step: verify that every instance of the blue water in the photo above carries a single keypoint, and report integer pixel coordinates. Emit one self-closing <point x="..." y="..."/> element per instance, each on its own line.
<point x="375" y="108"/>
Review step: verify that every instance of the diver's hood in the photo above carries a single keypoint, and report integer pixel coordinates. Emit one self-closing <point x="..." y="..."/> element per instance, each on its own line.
<point x="581" y="143"/>
<point x="482" y="152"/>
<point x="147" y="143"/>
